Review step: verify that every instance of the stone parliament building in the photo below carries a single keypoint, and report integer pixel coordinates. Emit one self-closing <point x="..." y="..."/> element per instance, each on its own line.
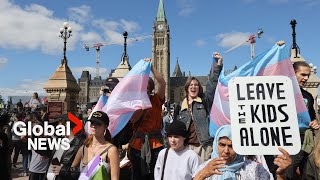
<point x="161" y="59"/>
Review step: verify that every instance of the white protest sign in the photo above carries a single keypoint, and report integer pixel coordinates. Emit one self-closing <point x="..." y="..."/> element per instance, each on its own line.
<point x="263" y="115"/>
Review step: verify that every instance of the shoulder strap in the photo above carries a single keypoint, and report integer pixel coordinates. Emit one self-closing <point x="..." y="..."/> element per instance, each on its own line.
<point x="106" y="149"/>
<point x="83" y="151"/>
<point x="164" y="162"/>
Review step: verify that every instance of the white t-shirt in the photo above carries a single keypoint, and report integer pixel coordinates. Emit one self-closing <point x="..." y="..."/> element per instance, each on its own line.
<point x="179" y="165"/>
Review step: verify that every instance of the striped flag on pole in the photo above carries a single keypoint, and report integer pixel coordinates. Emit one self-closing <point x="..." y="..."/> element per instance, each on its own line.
<point x="274" y="62"/>
<point x="129" y="95"/>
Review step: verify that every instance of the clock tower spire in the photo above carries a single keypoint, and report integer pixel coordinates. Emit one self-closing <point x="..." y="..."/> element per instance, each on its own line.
<point x="161" y="46"/>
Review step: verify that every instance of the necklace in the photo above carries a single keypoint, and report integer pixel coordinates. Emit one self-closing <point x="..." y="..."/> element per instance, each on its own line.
<point x="94" y="153"/>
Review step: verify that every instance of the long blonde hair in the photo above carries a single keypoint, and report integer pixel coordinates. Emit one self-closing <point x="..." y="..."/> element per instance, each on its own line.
<point x="316" y="150"/>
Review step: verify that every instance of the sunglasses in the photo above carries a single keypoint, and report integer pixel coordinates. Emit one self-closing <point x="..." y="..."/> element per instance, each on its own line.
<point x="95" y="123"/>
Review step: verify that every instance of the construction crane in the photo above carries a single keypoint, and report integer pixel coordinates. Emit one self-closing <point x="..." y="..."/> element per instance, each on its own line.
<point x="98" y="46"/>
<point x="251" y="40"/>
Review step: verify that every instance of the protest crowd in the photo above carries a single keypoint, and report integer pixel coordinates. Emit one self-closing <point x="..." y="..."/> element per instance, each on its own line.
<point x="192" y="141"/>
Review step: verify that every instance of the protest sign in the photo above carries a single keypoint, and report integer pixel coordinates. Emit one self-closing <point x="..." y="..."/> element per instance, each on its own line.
<point x="263" y="115"/>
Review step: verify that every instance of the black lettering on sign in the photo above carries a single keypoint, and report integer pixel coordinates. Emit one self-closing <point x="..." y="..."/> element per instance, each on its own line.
<point x="279" y="91"/>
<point x="250" y="91"/>
<point x="275" y="136"/>
<point x="260" y="91"/>
<point x="241" y="106"/>
<point x="285" y="136"/>
<point x="244" y="137"/>
<point x="263" y="113"/>
<point x="238" y="93"/>
<point x="272" y="115"/>
<point x="254" y="113"/>
<point x="252" y="138"/>
<point x="270" y="88"/>
<point x="242" y="114"/>
<point x="242" y="120"/>
<point x="264" y="135"/>
<point x="286" y="117"/>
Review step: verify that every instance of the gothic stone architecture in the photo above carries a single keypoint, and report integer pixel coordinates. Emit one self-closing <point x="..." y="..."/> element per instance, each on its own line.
<point x="161" y="59"/>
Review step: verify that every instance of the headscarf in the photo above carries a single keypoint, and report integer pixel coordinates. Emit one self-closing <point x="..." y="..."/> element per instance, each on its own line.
<point x="231" y="169"/>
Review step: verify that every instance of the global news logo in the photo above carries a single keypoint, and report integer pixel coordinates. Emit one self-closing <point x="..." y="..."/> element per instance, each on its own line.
<point x="41" y="137"/>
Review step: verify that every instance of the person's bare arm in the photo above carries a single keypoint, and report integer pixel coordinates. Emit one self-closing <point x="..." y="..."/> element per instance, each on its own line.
<point x="210" y="169"/>
<point x="162" y="83"/>
<point x="77" y="159"/>
<point x="136" y="116"/>
<point x="114" y="161"/>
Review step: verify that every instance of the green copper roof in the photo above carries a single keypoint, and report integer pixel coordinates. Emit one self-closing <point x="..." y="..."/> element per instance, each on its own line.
<point x="161" y="16"/>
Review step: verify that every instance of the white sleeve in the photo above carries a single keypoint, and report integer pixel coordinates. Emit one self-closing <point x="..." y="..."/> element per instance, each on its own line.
<point x="200" y="167"/>
<point x="195" y="163"/>
<point x="159" y="164"/>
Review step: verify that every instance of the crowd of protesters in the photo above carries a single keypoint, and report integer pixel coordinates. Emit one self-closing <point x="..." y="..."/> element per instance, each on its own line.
<point x="171" y="145"/>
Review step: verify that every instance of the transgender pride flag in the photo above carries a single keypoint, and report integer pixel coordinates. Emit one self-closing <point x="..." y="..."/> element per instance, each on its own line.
<point x="100" y="104"/>
<point x="275" y="62"/>
<point x="128" y="96"/>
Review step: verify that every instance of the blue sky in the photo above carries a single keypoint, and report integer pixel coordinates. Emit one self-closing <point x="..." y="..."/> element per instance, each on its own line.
<point x="31" y="50"/>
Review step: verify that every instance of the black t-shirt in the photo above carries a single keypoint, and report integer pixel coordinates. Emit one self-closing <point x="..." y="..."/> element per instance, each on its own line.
<point x="308" y="99"/>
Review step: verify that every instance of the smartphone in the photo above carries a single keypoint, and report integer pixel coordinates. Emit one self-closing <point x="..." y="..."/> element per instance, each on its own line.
<point x="55" y="161"/>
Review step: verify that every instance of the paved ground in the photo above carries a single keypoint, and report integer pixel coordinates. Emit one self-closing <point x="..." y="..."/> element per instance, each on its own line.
<point x="17" y="172"/>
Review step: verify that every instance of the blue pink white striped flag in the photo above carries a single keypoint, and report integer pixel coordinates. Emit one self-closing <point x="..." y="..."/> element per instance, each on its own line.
<point x="128" y="96"/>
<point x="274" y="62"/>
<point x="100" y="104"/>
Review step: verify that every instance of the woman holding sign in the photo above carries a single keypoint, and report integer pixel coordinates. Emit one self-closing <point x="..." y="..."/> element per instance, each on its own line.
<point x="226" y="164"/>
<point x="195" y="109"/>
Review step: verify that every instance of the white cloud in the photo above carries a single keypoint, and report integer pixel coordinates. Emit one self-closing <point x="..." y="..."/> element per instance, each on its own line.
<point x="25" y="88"/>
<point x="32" y="27"/>
<point x="35" y="8"/>
<point x="112" y="30"/>
<point x="129" y="26"/>
<point x="200" y="43"/>
<point x="186" y="6"/>
<point x="103" y="72"/>
<point x="35" y="27"/>
<point x="80" y="14"/>
<point x="232" y="39"/>
<point x="3" y="61"/>
<point x="90" y="38"/>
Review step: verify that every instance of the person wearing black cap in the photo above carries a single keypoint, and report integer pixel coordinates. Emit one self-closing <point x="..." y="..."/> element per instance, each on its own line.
<point x="183" y="161"/>
<point x="99" y="144"/>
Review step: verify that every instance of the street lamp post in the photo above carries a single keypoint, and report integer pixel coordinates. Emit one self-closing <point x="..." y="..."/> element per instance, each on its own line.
<point x="65" y="33"/>
<point x="293" y="23"/>
<point x="125" y="55"/>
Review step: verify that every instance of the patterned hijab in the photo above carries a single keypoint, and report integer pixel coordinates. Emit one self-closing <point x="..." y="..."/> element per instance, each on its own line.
<point x="231" y="169"/>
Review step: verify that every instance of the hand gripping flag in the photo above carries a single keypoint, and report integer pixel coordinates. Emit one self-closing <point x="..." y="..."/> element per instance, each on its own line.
<point x="274" y="62"/>
<point x="128" y="96"/>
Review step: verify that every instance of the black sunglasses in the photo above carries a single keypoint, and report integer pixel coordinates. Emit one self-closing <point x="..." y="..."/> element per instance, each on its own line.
<point x="96" y="123"/>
